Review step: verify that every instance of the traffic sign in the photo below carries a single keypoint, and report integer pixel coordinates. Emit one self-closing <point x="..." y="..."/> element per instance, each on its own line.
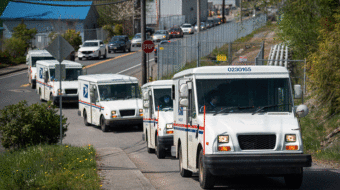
<point x="148" y="46"/>
<point x="243" y="59"/>
<point x="60" y="48"/>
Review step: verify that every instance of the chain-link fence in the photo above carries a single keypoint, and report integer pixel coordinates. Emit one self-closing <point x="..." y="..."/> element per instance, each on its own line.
<point x="173" y="56"/>
<point x="42" y="40"/>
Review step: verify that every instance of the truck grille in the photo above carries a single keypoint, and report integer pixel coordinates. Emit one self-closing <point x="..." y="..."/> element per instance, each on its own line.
<point x="127" y="113"/>
<point x="70" y="91"/>
<point x="254" y="142"/>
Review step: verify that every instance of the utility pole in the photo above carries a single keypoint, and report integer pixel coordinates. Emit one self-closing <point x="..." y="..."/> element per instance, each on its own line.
<point x="241" y="10"/>
<point x="143" y="23"/>
<point x="223" y="9"/>
<point x="198" y="16"/>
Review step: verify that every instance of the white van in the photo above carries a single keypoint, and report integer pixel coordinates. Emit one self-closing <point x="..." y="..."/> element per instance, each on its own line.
<point x="238" y="120"/>
<point x="32" y="57"/>
<point x="109" y="99"/>
<point x="158" y="116"/>
<point x="48" y="86"/>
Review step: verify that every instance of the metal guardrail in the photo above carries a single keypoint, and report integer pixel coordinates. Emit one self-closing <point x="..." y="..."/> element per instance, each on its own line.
<point x="172" y="57"/>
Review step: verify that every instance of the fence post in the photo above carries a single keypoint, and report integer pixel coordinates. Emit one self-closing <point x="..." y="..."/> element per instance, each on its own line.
<point x="230" y="54"/>
<point x="198" y="53"/>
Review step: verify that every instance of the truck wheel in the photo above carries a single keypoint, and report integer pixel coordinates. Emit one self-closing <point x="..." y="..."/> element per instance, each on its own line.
<point x="103" y="126"/>
<point x="85" y="119"/>
<point x="182" y="171"/>
<point x="150" y="150"/>
<point x="205" y="177"/>
<point x="130" y="49"/>
<point x="294" y="181"/>
<point x="99" y="55"/>
<point x="160" y="152"/>
<point x="80" y="58"/>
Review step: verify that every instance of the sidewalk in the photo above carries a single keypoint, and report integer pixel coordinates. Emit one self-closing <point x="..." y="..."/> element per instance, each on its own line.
<point x="12" y="69"/>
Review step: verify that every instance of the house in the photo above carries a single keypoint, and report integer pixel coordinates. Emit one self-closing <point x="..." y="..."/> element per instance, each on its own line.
<point x="175" y="12"/>
<point x="46" y="18"/>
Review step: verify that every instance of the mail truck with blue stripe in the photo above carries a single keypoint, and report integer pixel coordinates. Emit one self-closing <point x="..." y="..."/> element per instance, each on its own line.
<point x="48" y="85"/>
<point x="109" y="100"/>
<point x="238" y="121"/>
<point x="158" y="116"/>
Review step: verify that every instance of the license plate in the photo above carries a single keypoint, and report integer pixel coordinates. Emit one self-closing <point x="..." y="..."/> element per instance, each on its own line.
<point x="114" y="48"/>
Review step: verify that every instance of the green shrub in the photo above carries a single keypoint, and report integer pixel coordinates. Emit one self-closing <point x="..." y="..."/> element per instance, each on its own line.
<point x="110" y="30"/>
<point x="4" y="57"/>
<point x="71" y="36"/>
<point x="118" y="29"/>
<point x="16" y="48"/>
<point x="22" y="125"/>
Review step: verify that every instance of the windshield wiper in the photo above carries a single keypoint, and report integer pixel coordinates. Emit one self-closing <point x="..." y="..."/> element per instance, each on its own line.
<point x="268" y="106"/>
<point x="238" y="107"/>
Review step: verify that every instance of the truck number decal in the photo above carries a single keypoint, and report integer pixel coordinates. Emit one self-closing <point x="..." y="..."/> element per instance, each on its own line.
<point x="41" y="73"/>
<point x="237" y="69"/>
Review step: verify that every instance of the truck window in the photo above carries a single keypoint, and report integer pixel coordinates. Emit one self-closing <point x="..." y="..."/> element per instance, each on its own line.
<point x="71" y="74"/>
<point x="163" y="99"/>
<point x="35" y="59"/>
<point x="218" y="94"/>
<point x="118" y="91"/>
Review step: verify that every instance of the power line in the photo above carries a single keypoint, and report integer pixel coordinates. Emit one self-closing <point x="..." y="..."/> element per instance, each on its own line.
<point x="60" y="5"/>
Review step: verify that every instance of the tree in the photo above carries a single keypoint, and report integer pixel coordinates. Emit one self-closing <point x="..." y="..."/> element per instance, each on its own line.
<point x="71" y="36"/>
<point x="325" y="66"/>
<point x="21" y="32"/>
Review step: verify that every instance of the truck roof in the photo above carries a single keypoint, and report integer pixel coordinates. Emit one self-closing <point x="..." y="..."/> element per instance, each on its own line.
<point x="52" y="63"/>
<point x="108" y="78"/>
<point x="42" y="53"/>
<point x="158" y="83"/>
<point x="233" y="70"/>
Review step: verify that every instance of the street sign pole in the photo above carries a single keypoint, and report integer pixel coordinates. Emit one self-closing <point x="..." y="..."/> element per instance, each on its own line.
<point x="60" y="98"/>
<point x="148" y="79"/>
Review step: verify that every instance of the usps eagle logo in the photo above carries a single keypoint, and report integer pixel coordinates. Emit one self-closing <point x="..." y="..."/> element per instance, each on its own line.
<point x="86" y="91"/>
<point x="41" y="73"/>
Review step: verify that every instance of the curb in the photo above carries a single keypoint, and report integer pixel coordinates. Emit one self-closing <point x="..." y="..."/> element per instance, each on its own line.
<point x="12" y="71"/>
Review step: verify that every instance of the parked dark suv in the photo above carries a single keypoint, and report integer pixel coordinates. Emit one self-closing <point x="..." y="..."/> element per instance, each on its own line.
<point x="119" y="43"/>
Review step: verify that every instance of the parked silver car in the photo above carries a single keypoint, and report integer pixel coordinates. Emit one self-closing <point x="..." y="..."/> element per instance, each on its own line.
<point x="203" y="27"/>
<point x="160" y="35"/>
<point x="137" y="39"/>
<point x="187" y="28"/>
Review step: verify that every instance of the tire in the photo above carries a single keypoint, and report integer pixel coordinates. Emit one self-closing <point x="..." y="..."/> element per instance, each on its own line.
<point x="294" y="181"/>
<point x="183" y="172"/>
<point x="103" y="126"/>
<point x="150" y="150"/>
<point x="80" y="58"/>
<point x="124" y="50"/>
<point x="114" y="51"/>
<point x="109" y="51"/>
<point x="160" y="152"/>
<point x="99" y="55"/>
<point x="130" y="49"/>
<point x="32" y="85"/>
<point x="205" y="178"/>
<point x="85" y="118"/>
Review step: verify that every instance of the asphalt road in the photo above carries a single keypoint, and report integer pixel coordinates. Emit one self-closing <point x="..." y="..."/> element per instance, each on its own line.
<point x="162" y="173"/>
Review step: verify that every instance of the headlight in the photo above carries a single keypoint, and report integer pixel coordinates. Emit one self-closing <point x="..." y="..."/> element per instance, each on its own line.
<point x="140" y="110"/>
<point x="290" y="138"/>
<point x="164" y="36"/>
<point x="113" y="112"/>
<point x="169" y="126"/>
<point x="223" y="138"/>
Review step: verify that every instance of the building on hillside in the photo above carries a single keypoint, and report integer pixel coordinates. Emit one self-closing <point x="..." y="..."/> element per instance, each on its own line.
<point x="174" y="12"/>
<point x="49" y="18"/>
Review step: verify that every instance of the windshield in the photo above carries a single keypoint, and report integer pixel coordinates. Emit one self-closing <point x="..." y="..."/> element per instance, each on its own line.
<point x="163" y="99"/>
<point x="187" y="25"/>
<point x="138" y="36"/>
<point x="218" y="94"/>
<point x="71" y="74"/>
<point x="160" y="32"/>
<point x="118" y="91"/>
<point x="90" y="44"/>
<point x="35" y="59"/>
<point x="114" y="39"/>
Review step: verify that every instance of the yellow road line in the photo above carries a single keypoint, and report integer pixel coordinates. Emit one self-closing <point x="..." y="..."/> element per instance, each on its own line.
<point x="98" y="63"/>
<point x="25" y="85"/>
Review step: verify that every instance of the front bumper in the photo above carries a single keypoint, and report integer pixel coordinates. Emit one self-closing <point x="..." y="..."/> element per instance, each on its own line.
<point x="90" y="55"/>
<point x="273" y="165"/>
<point x="66" y="99"/>
<point x="165" y="141"/>
<point x="124" y="121"/>
<point x="113" y="48"/>
<point x="136" y="44"/>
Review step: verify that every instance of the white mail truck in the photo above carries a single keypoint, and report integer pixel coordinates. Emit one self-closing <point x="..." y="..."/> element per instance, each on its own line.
<point x="48" y="85"/>
<point x="106" y="100"/>
<point x="238" y="120"/>
<point x="31" y="59"/>
<point x="158" y="116"/>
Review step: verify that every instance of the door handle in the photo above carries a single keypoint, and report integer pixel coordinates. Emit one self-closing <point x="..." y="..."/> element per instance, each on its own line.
<point x="198" y="128"/>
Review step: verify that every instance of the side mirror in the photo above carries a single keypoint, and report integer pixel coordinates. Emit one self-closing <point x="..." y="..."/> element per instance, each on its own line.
<point x="297" y="91"/>
<point x="302" y="110"/>
<point x="173" y="92"/>
<point x="146" y="104"/>
<point x="184" y="91"/>
<point x="146" y="96"/>
<point x="93" y="88"/>
<point x="184" y="102"/>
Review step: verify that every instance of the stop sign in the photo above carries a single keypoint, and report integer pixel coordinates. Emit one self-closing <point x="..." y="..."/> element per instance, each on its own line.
<point x="148" y="46"/>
